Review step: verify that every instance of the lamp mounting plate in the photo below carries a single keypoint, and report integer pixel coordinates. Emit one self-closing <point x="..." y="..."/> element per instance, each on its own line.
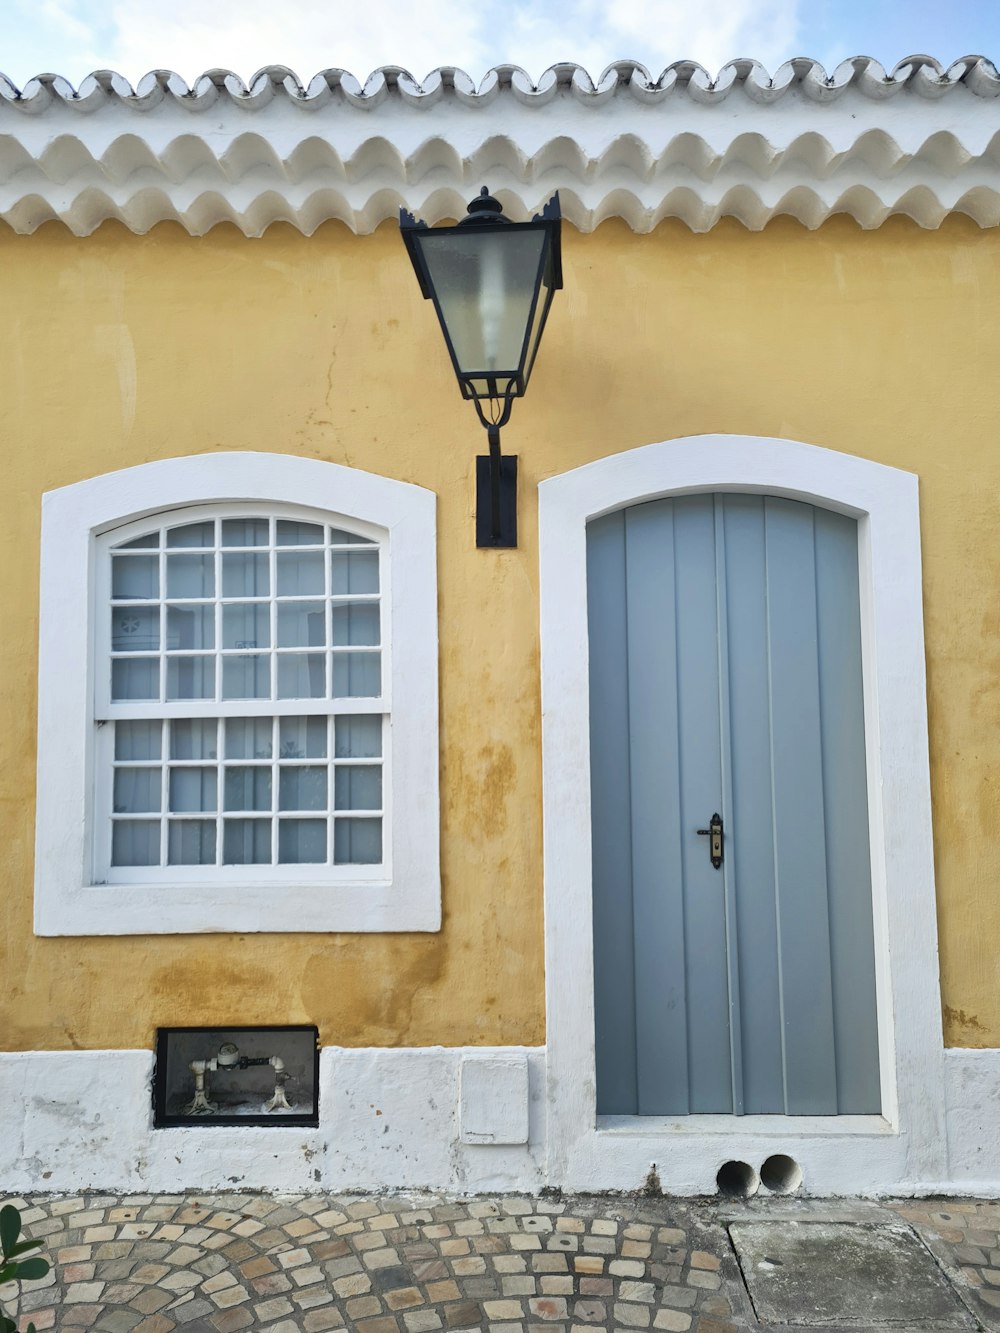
<point x="506" y="535"/>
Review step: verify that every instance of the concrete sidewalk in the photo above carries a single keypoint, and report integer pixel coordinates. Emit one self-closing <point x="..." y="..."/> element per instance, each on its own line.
<point x="413" y="1264"/>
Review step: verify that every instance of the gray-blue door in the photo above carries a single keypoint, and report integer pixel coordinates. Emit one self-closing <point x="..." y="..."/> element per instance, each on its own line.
<point x="725" y="677"/>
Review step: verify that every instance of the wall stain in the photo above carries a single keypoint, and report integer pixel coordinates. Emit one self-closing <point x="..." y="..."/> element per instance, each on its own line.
<point x="362" y="992"/>
<point x="959" y="1023"/>
<point x="222" y="990"/>
<point x="478" y="792"/>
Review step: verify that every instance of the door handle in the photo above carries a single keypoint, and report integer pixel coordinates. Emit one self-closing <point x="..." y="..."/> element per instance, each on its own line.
<point x="715" y="837"/>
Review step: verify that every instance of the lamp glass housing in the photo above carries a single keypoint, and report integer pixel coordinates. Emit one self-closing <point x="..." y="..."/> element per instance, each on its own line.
<point x="492" y="283"/>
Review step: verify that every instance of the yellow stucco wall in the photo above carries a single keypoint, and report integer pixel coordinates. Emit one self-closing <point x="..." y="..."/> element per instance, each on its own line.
<point x="117" y="349"/>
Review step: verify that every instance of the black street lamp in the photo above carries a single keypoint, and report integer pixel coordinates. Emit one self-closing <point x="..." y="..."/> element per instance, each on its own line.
<point x="492" y="282"/>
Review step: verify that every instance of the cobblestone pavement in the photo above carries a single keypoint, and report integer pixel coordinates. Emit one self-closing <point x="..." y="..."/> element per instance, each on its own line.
<point x="412" y="1264"/>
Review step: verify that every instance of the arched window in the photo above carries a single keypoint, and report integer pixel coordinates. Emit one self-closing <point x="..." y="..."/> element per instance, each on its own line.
<point x="261" y="693"/>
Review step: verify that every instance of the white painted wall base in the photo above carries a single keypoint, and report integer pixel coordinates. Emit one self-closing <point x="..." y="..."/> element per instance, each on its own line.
<point x="396" y="1119"/>
<point x="389" y="1119"/>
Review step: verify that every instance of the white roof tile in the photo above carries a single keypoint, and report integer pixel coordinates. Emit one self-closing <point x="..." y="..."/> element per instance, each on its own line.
<point x="921" y="140"/>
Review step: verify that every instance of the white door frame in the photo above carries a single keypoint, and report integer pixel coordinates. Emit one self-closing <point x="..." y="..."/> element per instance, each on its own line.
<point x="905" y="1146"/>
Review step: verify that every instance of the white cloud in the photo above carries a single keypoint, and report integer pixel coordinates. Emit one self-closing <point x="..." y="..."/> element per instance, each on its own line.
<point x="308" y="35"/>
<point x="133" y="36"/>
<point x="658" y="32"/>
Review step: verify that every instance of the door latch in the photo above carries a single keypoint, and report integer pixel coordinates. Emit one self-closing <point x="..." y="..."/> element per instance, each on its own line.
<point x="714" y="835"/>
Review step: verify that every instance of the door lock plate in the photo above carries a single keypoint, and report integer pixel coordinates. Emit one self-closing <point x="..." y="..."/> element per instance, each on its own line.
<point x="715" y="836"/>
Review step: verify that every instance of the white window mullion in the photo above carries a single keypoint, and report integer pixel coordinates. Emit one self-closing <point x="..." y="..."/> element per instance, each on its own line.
<point x="272" y="572"/>
<point x="220" y="776"/>
<point x="275" y="749"/>
<point x="328" y="621"/>
<point x="331" y="778"/>
<point x="161" y="660"/>
<point x="164" y="791"/>
<point x="217" y="611"/>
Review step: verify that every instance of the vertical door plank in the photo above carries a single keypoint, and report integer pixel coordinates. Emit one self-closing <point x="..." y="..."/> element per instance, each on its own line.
<point x="846" y="808"/>
<point x="750" y="844"/>
<point x="661" y="973"/>
<point x="799" y="827"/>
<point x="728" y="868"/>
<point x="699" y="758"/>
<point x="614" y="968"/>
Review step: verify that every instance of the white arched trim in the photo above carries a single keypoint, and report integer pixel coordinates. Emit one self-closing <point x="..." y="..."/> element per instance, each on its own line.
<point x="67" y="900"/>
<point x="905" y="1146"/>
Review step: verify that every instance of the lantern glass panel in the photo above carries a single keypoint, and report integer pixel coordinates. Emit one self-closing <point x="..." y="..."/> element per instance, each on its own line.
<point x="545" y="294"/>
<point x="485" y="284"/>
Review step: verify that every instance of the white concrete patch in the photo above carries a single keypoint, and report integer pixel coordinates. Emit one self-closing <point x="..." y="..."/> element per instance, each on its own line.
<point x="847" y="1154"/>
<point x="72" y="1118"/>
<point x="494" y="1101"/>
<point x="972" y="1096"/>
<point x="389" y="1119"/>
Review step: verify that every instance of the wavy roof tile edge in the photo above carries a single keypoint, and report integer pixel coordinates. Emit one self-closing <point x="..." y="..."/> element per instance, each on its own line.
<point x="804" y="143"/>
<point x="921" y="73"/>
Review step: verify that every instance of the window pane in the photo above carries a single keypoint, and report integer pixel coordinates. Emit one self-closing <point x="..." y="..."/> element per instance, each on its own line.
<point x="246" y="625"/>
<point x="298" y="534"/>
<point x="341" y="538"/>
<point x="135" y="842"/>
<point x="179" y="643"/>
<point x="358" y="788"/>
<point x="191" y="678"/>
<point x="356" y="675"/>
<point x="191" y="842"/>
<point x="301" y="624"/>
<point x="194" y="738"/>
<point x="355" y="623"/>
<point x="137" y="790"/>
<point x="249" y="738"/>
<point x="138" y="740"/>
<point x="135" y="576"/>
<point x="246" y="842"/>
<point x="246" y="677"/>
<point x="192" y="534"/>
<point x="301" y="841"/>
<point x="248" y="789"/>
<point x="135" y="629"/>
<point x="190" y="626"/>
<point x="190" y="576"/>
<point x="192" y="789"/>
<point x="354" y="571"/>
<point x="300" y="574"/>
<point x="302" y="788"/>
<point x="301" y="676"/>
<point x="303" y="738"/>
<point x="135" y="678"/>
<point x="244" y="531"/>
<point x="245" y="575"/>
<point x="358" y="737"/>
<point x="357" y="842"/>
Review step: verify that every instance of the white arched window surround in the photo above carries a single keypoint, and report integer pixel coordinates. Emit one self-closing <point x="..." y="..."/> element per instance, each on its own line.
<point x="68" y="901"/>
<point x="853" y="1154"/>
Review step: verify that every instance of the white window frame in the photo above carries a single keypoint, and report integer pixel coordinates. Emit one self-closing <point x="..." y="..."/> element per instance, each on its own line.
<point x="405" y="894"/>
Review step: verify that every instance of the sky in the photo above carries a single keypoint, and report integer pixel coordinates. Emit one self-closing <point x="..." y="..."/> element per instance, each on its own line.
<point x="74" y="37"/>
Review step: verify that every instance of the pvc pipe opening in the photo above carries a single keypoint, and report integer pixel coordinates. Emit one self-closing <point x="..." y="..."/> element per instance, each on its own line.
<point x="737" y="1180"/>
<point x="781" y="1174"/>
